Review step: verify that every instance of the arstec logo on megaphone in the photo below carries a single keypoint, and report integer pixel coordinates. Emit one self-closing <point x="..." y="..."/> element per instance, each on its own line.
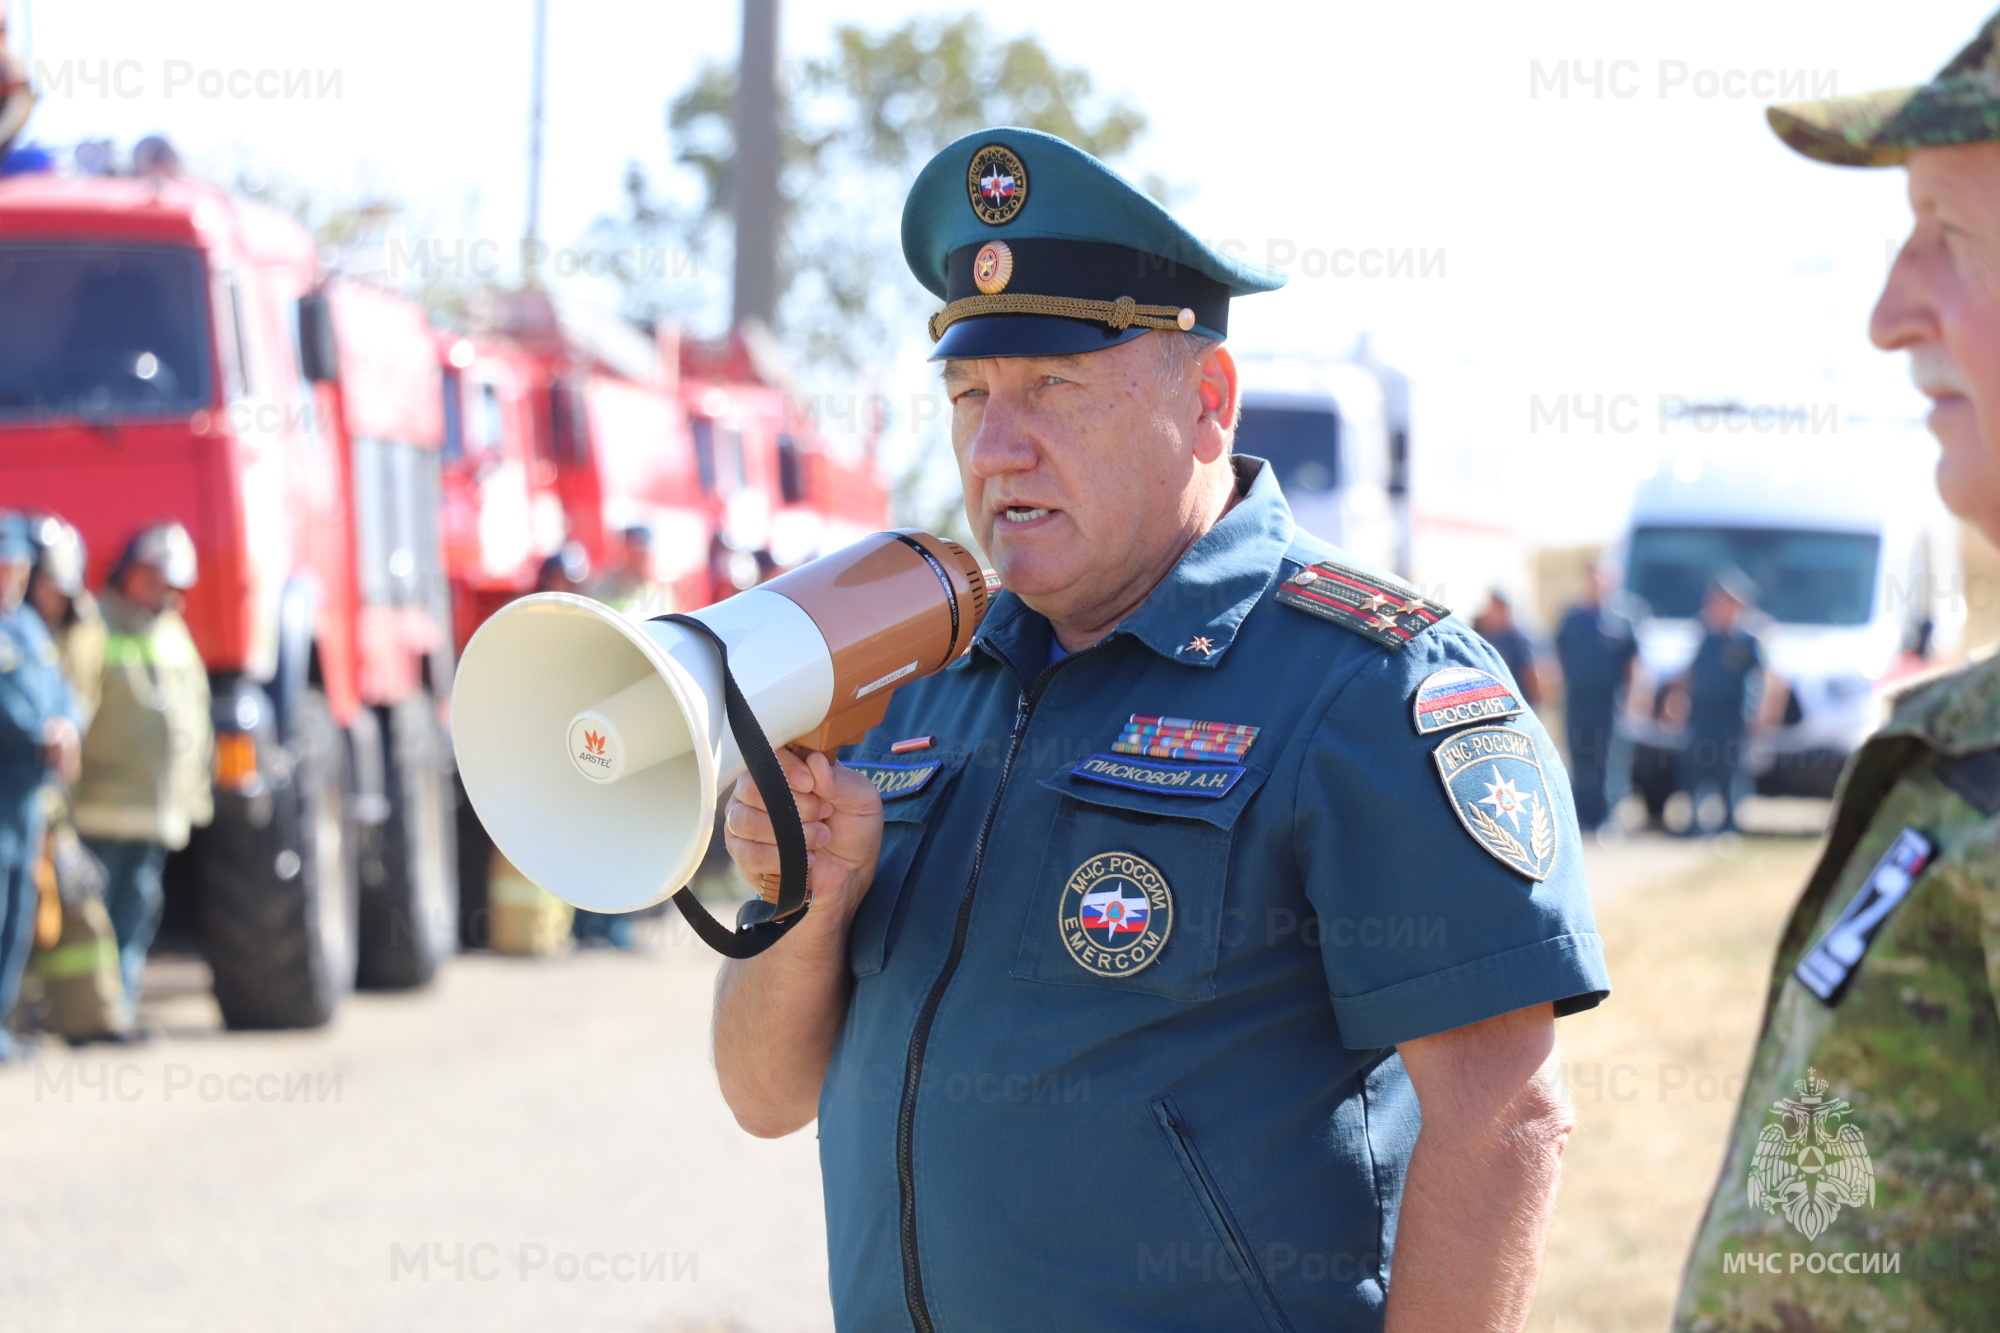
<point x="594" y="749"/>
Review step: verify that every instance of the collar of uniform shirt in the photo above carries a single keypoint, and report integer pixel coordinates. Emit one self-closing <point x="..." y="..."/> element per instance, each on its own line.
<point x="1952" y="721"/>
<point x="1209" y="591"/>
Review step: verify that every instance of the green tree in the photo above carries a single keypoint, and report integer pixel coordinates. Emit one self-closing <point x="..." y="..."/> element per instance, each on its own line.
<point x="857" y="123"/>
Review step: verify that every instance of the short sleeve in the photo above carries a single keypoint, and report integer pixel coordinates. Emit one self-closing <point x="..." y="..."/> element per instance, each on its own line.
<point x="1422" y="928"/>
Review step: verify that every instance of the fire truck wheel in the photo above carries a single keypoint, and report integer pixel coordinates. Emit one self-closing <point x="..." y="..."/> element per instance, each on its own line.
<point x="280" y="896"/>
<point x="409" y="898"/>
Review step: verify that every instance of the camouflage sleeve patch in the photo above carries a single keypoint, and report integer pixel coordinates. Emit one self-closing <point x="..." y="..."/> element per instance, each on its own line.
<point x="1384" y="610"/>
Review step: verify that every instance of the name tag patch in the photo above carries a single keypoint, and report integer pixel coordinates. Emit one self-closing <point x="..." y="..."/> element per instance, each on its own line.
<point x="1829" y="965"/>
<point x="1210" y="780"/>
<point x="893" y="780"/>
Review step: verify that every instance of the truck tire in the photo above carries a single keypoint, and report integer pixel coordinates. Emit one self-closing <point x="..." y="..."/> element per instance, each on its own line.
<point x="280" y="899"/>
<point x="475" y="857"/>
<point x="409" y="886"/>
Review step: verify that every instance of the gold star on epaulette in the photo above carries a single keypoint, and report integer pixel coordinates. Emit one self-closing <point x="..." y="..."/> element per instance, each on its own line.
<point x="1416" y="607"/>
<point x="1375" y="601"/>
<point x="1384" y="621"/>
<point x="1200" y="644"/>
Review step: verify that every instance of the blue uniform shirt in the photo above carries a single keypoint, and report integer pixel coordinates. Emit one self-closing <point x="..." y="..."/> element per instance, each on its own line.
<point x="1721" y="682"/>
<point x="1020" y="1130"/>
<point x="32" y="691"/>
<point x="1595" y="645"/>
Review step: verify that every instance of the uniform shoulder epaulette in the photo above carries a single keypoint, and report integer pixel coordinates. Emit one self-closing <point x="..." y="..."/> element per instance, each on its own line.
<point x="1383" y="609"/>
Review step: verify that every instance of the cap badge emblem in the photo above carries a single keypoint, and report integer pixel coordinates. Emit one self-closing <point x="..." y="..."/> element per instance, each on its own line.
<point x="997" y="183"/>
<point x="992" y="267"/>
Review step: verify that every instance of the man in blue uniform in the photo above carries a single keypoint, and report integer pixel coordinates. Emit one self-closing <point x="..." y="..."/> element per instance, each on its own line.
<point x="1596" y="646"/>
<point x="1143" y="934"/>
<point x="1496" y="625"/>
<point x="38" y="739"/>
<point x="1725" y="683"/>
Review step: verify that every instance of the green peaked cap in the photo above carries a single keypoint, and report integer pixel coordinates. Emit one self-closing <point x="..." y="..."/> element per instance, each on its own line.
<point x="1074" y="237"/>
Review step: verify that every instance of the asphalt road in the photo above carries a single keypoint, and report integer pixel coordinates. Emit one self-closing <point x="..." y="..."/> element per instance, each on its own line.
<point x="530" y="1144"/>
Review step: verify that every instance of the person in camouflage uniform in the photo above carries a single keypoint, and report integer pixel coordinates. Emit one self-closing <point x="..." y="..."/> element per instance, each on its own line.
<point x="1860" y="1189"/>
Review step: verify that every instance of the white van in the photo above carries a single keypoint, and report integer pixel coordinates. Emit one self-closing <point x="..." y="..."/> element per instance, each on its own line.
<point x="1857" y="565"/>
<point x="1337" y="434"/>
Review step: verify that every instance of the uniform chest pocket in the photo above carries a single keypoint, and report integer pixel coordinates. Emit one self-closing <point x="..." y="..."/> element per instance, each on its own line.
<point x="911" y="791"/>
<point x="1133" y="883"/>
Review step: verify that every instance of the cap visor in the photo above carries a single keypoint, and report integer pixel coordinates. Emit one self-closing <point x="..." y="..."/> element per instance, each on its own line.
<point x="1027" y="335"/>
<point x="1857" y="131"/>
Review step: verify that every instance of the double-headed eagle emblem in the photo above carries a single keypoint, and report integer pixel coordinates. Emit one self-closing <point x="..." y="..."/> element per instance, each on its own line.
<point x="1808" y="1164"/>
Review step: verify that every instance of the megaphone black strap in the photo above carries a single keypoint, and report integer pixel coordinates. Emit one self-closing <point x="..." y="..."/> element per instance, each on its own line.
<point x="950" y="593"/>
<point x="747" y="941"/>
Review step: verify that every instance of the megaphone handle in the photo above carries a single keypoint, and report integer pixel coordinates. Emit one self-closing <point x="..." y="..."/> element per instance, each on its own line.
<point x="790" y="831"/>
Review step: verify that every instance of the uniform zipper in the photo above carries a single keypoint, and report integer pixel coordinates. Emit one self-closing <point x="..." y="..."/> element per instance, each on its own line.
<point x="920" y="1036"/>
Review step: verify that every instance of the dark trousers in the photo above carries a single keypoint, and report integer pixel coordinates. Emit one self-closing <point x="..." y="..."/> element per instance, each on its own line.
<point x="133" y="898"/>
<point x="1600" y="765"/>
<point x="20" y="842"/>
<point x="1713" y="762"/>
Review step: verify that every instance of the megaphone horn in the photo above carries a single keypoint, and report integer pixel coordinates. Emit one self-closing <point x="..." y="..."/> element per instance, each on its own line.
<point x="594" y="747"/>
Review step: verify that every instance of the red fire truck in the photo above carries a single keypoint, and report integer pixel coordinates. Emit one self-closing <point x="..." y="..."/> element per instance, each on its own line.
<point x="363" y="492"/>
<point x="169" y="352"/>
<point x="564" y="425"/>
<point x="567" y="425"/>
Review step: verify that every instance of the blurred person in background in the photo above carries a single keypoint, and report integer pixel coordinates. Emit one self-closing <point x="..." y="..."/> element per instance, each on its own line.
<point x="1725" y="695"/>
<point x="631" y="586"/>
<point x="80" y="971"/>
<point x="146" y="781"/>
<point x="38" y="743"/>
<point x="1870" y="1114"/>
<point x="57" y="592"/>
<point x="1496" y="625"/>
<point x="1596" y="646"/>
<point x="568" y="570"/>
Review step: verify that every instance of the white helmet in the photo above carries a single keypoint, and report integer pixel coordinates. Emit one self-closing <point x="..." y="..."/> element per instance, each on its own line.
<point x="167" y="548"/>
<point x="59" y="553"/>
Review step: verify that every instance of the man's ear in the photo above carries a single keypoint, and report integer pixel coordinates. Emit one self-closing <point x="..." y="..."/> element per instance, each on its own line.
<point x="1219" y="404"/>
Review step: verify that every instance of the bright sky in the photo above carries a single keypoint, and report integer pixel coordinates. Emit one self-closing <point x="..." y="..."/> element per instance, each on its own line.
<point x="1657" y="244"/>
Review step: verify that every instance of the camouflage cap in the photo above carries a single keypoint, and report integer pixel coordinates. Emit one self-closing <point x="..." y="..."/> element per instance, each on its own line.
<point x="1961" y="105"/>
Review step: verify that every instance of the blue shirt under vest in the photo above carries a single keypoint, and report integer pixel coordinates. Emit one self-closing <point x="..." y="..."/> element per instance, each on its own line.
<point x="1120" y="1053"/>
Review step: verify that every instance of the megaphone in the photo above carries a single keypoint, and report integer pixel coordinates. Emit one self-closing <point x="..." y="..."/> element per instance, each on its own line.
<point x="594" y="747"/>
